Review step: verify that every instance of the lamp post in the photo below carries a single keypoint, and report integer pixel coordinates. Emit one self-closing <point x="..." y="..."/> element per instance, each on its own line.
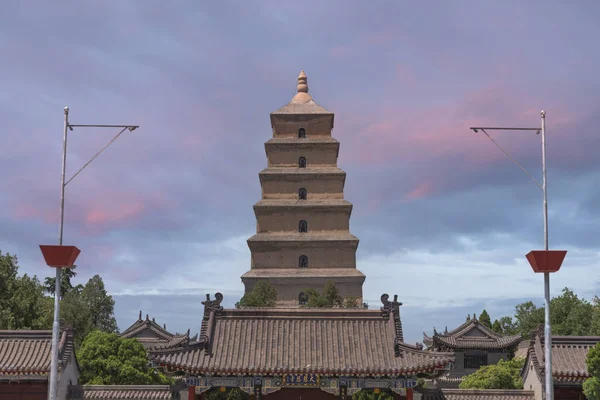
<point x="64" y="256"/>
<point x="545" y="261"/>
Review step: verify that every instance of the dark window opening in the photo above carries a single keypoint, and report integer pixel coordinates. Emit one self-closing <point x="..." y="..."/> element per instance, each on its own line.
<point x="302" y="194"/>
<point x="303" y="227"/>
<point x="303" y="262"/>
<point x="475" y="361"/>
<point x="302" y="299"/>
<point x="301" y="133"/>
<point x="302" y="162"/>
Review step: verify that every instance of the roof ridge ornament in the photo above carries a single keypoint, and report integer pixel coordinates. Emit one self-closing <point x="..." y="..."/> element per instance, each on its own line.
<point x="390" y="306"/>
<point x="213" y="305"/>
<point x="140" y="316"/>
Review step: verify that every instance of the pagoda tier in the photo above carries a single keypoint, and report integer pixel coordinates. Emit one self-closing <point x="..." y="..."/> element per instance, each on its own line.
<point x="285" y="152"/>
<point x="303" y="235"/>
<point x="283" y="215"/>
<point x="319" y="182"/>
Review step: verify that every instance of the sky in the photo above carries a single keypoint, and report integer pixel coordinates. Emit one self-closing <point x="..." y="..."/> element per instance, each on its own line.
<point x="444" y="217"/>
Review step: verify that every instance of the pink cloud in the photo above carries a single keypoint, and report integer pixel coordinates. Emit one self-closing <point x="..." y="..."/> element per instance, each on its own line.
<point x="422" y="190"/>
<point x="105" y="214"/>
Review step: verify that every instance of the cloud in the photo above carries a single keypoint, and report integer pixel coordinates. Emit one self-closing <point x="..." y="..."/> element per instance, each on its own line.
<point x="164" y="213"/>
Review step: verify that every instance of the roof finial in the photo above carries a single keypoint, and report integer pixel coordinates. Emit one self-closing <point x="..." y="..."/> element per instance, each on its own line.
<point x="165" y="327"/>
<point x="140" y="316"/>
<point x="302" y="82"/>
<point x="147" y="318"/>
<point x="153" y="319"/>
<point x="302" y="97"/>
<point x="474" y="317"/>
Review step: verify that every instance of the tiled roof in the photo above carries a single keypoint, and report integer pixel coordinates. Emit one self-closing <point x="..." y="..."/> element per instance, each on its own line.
<point x="487" y="394"/>
<point x="568" y="356"/>
<point x="471" y="335"/>
<point x="119" y="392"/>
<point x="25" y="355"/>
<point x="159" y="336"/>
<point x="324" y="341"/>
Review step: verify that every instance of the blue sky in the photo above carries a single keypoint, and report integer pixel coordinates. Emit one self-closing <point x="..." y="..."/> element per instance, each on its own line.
<point x="444" y="218"/>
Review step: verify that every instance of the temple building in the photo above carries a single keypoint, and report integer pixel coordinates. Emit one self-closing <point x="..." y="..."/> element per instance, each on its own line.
<point x="295" y="353"/>
<point x="302" y="241"/>
<point x="152" y="335"/>
<point x="25" y="363"/>
<point x="474" y="346"/>
<point x="303" y="237"/>
<point x="569" y="368"/>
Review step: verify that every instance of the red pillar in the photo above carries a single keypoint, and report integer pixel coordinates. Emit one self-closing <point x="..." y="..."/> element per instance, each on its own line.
<point x="409" y="394"/>
<point x="191" y="392"/>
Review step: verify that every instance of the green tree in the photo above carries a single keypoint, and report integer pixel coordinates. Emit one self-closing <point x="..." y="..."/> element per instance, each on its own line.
<point x="100" y="304"/>
<point x="89" y="309"/>
<point x="508" y="326"/>
<point x="65" y="282"/>
<point x="22" y="301"/>
<point x="497" y="327"/>
<point x="365" y="394"/>
<point x="108" y="359"/>
<point x="330" y="297"/>
<point x="485" y="319"/>
<point x="263" y="294"/>
<point x="591" y="386"/>
<point x="228" y="394"/>
<point x="503" y="375"/>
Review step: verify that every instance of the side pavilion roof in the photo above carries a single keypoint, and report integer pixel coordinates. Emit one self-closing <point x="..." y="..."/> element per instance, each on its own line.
<point x="472" y="334"/>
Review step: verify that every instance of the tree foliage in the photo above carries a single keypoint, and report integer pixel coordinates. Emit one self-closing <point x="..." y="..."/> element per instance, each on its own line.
<point x="484" y="318"/>
<point x="329" y="297"/>
<point x="371" y="395"/>
<point x="22" y="301"/>
<point x="108" y="359"/>
<point x="496" y="327"/>
<point x="263" y="294"/>
<point x="228" y="394"/>
<point x="591" y="386"/>
<point x="569" y="315"/>
<point x="503" y="375"/>
<point x="65" y="282"/>
<point x="89" y="309"/>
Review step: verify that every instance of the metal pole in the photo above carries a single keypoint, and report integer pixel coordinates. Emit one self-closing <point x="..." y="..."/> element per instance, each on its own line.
<point x="55" y="326"/>
<point x="547" y="330"/>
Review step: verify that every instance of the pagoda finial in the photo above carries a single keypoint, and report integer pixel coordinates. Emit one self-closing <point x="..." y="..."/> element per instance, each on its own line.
<point x="302" y="97"/>
<point x="302" y="83"/>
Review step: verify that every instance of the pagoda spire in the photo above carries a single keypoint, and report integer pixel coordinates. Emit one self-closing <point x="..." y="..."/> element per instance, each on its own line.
<point x="302" y="96"/>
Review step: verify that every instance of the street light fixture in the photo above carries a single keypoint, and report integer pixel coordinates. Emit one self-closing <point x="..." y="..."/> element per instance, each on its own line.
<point x="64" y="256"/>
<point x="545" y="261"/>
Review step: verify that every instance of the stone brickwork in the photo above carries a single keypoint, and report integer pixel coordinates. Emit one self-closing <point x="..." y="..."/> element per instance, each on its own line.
<point x="303" y="237"/>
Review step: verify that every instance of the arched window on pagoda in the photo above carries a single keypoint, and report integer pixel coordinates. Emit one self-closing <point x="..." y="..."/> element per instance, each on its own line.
<point x="303" y="299"/>
<point x="301" y="133"/>
<point x="302" y="162"/>
<point x="302" y="194"/>
<point x="303" y="226"/>
<point x="303" y="262"/>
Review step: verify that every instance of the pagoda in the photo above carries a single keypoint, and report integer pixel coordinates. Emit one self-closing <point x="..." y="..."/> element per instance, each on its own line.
<point x="303" y="237"/>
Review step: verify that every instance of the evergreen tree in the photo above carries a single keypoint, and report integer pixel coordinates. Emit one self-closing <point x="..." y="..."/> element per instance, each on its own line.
<point x="484" y="318"/>
<point x="263" y="294"/>
<point x="496" y="327"/>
